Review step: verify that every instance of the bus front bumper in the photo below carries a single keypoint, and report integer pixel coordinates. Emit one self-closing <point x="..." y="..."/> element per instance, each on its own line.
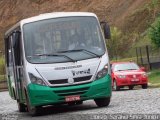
<point x="45" y="95"/>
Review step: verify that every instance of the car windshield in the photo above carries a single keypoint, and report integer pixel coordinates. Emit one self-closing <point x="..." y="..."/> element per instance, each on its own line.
<point x="63" y="40"/>
<point x="125" y="66"/>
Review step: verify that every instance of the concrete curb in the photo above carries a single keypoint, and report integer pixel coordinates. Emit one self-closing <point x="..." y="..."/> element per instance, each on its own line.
<point x="153" y="85"/>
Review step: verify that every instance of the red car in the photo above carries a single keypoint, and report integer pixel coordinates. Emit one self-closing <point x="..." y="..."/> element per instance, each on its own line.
<point x="128" y="74"/>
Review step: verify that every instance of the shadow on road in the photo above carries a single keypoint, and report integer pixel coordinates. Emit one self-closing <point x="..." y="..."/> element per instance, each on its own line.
<point x="65" y="109"/>
<point x="52" y="110"/>
<point x="127" y="89"/>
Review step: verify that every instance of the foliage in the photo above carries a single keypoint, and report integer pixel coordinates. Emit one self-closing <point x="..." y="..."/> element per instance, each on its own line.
<point x="118" y="44"/>
<point x="2" y="66"/>
<point x="152" y="7"/>
<point x="143" y="41"/>
<point x="154" y="33"/>
<point x="114" y="42"/>
<point x="154" y="76"/>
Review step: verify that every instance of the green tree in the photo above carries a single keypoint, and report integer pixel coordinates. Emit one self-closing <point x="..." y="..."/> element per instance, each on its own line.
<point x="119" y="44"/>
<point x="154" y="33"/>
<point x="113" y="43"/>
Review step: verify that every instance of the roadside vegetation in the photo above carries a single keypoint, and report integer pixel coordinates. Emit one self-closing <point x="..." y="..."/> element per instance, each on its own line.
<point x="2" y="69"/>
<point x="124" y="44"/>
<point x="154" y="33"/>
<point x="154" y="77"/>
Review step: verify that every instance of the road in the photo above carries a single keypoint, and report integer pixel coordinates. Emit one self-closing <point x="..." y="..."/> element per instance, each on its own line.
<point x="139" y="101"/>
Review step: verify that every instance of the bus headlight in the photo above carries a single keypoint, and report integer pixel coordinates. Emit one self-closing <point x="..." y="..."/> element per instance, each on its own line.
<point x="102" y="72"/>
<point x="36" y="80"/>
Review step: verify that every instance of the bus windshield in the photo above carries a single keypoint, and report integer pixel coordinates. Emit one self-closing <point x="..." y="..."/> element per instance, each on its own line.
<point x="63" y="40"/>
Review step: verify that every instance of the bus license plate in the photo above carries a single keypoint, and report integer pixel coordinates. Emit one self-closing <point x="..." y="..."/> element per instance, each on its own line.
<point x="72" y="98"/>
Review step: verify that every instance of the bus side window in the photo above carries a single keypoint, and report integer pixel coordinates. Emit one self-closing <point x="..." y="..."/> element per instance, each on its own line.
<point x="7" y="50"/>
<point x="10" y="60"/>
<point x="16" y="47"/>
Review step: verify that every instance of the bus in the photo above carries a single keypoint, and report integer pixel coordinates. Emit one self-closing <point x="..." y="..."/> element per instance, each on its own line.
<point x="58" y="58"/>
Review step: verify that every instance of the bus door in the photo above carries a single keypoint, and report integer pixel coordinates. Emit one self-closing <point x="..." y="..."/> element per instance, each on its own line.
<point x="17" y="65"/>
<point x="9" y="67"/>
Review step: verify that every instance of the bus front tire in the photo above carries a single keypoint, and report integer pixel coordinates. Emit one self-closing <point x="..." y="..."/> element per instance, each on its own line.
<point x="21" y="107"/>
<point x="102" y="102"/>
<point x="33" y="110"/>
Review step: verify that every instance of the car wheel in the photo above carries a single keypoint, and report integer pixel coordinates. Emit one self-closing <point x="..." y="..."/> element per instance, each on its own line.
<point x="145" y="86"/>
<point x="21" y="107"/>
<point x="131" y="87"/>
<point x="102" y="102"/>
<point x="115" y="87"/>
<point x="33" y="111"/>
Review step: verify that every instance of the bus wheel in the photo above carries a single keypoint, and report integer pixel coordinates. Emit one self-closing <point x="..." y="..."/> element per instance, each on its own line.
<point x="21" y="107"/>
<point x="102" y="102"/>
<point x="145" y="86"/>
<point x="33" y="111"/>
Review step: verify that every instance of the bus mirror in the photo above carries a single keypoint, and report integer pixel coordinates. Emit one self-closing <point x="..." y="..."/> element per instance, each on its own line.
<point x="106" y="29"/>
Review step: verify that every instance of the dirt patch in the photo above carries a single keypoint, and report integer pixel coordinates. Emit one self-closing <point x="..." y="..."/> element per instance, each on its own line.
<point x="116" y="12"/>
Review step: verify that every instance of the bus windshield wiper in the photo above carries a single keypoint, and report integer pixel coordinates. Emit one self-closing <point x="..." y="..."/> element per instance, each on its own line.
<point x="80" y="50"/>
<point x="120" y="70"/>
<point x="132" y="69"/>
<point x="54" y="55"/>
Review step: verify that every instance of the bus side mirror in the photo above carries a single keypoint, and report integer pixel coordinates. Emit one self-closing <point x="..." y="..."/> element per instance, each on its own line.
<point x="106" y="30"/>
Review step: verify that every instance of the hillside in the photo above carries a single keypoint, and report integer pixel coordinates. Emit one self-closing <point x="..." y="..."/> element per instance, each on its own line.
<point x="127" y="15"/>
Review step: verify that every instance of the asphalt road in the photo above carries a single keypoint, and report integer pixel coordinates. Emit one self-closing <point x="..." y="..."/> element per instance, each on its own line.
<point x="140" y="101"/>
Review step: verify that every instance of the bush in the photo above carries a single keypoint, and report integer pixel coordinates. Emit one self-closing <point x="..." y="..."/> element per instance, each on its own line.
<point x="118" y="44"/>
<point x="2" y="66"/>
<point x="154" y="33"/>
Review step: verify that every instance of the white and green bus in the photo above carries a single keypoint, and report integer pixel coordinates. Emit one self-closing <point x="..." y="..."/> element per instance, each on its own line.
<point x="58" y="58"/>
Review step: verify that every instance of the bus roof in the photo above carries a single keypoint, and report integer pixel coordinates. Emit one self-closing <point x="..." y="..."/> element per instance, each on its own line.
<point x="49" y="16"/>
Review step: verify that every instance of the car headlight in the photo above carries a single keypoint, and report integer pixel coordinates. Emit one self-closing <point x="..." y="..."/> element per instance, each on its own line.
<point x="36" y="80"/>
<point x="102" y="72"/>
<point x="122" y="76"/>
<point x="144" y="75"/>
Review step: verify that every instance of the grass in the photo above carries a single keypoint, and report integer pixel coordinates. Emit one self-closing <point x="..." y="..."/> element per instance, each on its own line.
<point x="154" y="77"/>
